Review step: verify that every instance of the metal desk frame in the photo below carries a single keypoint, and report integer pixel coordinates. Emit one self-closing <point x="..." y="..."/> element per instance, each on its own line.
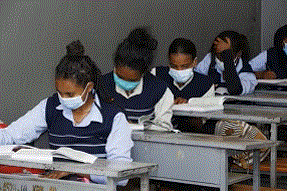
<point x="195" y="158"/>
<point x="113" y="170"/>
<point x="255" y="114"/>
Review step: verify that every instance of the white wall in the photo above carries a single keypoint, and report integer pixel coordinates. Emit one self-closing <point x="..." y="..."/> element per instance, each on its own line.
<point x="34" y="35"/>
<point x="273" y="16"/>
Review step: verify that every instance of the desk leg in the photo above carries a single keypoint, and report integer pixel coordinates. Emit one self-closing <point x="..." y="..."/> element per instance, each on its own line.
<point x="273" y="156"/>
<point x="111" y="184"/>
<point x="224" y="170"/>
<point x="256" y="170"/>
<point x="145" y="182"/>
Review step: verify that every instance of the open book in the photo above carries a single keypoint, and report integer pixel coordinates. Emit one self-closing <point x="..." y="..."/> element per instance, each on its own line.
<point x="201" y="104"/>
<point x="32" y="154"/>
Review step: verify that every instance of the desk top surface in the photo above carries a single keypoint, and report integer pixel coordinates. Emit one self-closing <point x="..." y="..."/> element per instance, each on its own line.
<point x="116" y="169"/>
<point x="248" y="113"/>
<point x="201" y="140"/>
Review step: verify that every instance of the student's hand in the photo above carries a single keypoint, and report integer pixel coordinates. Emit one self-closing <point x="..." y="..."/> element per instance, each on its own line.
<point x="55" y="175"/>
<point x="221" y="44"/>
<point x="180" y="100"/>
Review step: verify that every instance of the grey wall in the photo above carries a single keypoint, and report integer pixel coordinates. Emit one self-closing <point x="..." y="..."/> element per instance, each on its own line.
<point x="34" y="36"/>
<point x="274" y="16"/>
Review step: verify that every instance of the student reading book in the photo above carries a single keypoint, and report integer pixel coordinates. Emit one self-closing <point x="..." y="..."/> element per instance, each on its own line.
<point x="131" y="85"/>
<point x="77" y="116"/>
<point x="183" y="81"/>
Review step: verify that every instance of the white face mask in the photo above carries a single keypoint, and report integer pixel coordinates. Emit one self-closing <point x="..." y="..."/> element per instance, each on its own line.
<point x="74" y="102"/>
<point x="181" y="76"/>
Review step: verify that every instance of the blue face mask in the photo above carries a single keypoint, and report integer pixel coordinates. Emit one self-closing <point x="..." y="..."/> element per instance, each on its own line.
<point x="285" y="48"/>
<point x="126" y="85"/>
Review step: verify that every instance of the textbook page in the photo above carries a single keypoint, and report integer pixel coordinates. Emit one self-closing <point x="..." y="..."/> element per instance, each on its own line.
<point x="11" y="149"/>
<point x="201" y="104"/>
<point x="32" y="154"/>
<point x="71" y="154"/>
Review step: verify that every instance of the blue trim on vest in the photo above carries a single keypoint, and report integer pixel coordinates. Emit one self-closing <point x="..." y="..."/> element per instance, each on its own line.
<point x="91" y="139"/>
<point x="198" y="86"/>
<point x="277" y="62"/>
<point x="138" y="105"/>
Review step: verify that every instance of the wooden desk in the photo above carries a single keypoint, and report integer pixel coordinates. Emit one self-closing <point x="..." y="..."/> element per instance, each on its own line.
<point x="195" y="158"/>
<point x="250" y="113"/>
<point x="113" y="170"/>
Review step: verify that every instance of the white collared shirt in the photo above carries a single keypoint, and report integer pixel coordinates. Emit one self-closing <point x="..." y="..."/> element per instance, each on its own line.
<point x="30" y="126"/>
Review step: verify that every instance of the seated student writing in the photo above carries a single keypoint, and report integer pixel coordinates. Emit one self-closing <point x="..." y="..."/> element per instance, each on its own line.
<point x="272" y="63"/>
<point x="133" y="87"/>
<point x="227" y="64"/>
<point x="77" y="116"/>
<point x="183" y="81"/>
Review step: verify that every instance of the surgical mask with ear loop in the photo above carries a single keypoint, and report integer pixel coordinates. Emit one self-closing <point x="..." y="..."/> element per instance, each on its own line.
<point x="74" y="102"/>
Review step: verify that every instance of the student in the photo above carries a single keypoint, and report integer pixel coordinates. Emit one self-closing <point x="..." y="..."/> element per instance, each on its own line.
<point x="272" y="63"/>
<point x="227" y="64"/>
<point x="183" y="81"/>
<point x="76" y="117"/>
<point x="133" y="87"/>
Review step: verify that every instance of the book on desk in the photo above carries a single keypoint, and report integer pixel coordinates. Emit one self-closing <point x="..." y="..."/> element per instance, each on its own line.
<point x="201" y="104"/>
<point x="47" y="156"/>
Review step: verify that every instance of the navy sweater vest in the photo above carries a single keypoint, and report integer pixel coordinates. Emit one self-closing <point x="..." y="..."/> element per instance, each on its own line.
<point x="216" y="77"/>
<point x="138" y="105"/>
<point x="198" y="86"/>
<point x="91" y="139"/>
<point x="277" y="62"/>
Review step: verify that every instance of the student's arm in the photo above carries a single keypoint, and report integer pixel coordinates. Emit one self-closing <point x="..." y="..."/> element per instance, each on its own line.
<point x="27" y="128"/>
<point x="258" y="63"/>
<point x="203" y="66"/>
<point x="118" y="147"/>
<point x="163" y="112"/>
<point x="230" y="75"/>
<point x="248" y="81"/>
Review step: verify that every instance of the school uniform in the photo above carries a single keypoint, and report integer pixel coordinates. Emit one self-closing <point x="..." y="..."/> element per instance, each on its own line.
<point x="151" y="97"/>
<point x="104" y="132"/>
<point x="273" y="59"/>
<point x="196" y="86"/>
<point x="210" y="66"/>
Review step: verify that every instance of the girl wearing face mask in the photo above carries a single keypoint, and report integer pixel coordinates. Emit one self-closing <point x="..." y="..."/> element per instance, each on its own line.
<point x="180" y="76"/>
<point x="272" y="63"/>
<point x="78" y="115"/>
<point x="133" y="87"/>
<point x="227" y="64"/>
<point x="183" y="81"/>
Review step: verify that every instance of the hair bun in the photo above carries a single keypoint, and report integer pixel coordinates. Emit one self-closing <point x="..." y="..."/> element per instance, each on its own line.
<point x="142" y="39"/>
<point x="75" y="48"/>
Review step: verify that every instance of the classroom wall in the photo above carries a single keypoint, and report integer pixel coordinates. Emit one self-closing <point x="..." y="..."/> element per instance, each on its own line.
<point x="274" y="16"/>
<point x="34" y="35"/>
